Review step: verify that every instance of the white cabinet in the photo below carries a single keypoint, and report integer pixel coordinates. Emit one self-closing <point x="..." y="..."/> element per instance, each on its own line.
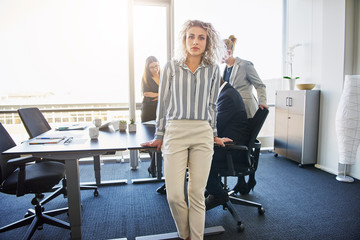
<point x="297" y="125"/>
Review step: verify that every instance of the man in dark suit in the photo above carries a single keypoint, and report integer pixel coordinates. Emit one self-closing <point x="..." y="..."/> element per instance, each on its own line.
<point x="232" y="123"/>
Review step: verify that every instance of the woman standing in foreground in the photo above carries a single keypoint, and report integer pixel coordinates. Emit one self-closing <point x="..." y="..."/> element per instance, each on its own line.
<point x="186" y="124"/>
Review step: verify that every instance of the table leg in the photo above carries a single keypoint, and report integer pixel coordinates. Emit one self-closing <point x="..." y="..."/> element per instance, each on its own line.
<point x="159" y="178"/>
<point x="174" y="235"/>
<point x="158" y="162"/>
<point x="97" y="170"/>
<point x="74" y="200"/>
<point x="134" y="159"/>
<point x="98" y="182"/>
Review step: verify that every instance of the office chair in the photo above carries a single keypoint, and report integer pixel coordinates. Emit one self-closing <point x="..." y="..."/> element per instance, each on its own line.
<point x="19" y="178"/>
<point x="36" y="124"/>
<point x="237" y="169"/>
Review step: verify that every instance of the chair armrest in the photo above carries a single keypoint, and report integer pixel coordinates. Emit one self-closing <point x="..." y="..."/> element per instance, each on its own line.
<point x="232" y="146"/>
<point x="20" y="163"/>
<point x="21" y="160"/>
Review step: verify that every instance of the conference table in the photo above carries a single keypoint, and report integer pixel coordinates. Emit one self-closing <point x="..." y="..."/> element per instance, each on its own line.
<point x="77" y="144"/>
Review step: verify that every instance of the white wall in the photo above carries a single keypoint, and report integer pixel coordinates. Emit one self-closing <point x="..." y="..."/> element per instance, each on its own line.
<point x="320" y="26"/>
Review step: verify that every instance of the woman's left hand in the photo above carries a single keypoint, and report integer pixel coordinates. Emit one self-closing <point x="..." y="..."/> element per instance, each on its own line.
<point x="222" y="141"/>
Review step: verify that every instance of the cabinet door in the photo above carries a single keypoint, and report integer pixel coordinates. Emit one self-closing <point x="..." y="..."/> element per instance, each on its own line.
<point x="296" y="125"/>
<point x="281" y="122"/>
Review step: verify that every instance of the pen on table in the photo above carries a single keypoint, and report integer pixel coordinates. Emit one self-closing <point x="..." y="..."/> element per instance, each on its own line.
<point x="50" y="137"/>
<point x="68" y="140"/>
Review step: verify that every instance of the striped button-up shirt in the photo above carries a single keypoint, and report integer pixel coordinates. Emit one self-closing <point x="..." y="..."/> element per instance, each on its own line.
<point x="187" y="95"/>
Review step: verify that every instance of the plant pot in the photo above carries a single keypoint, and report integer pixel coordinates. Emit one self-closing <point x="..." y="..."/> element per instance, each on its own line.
<point x="122" y="126"/>
<point x="132" y="127"/>
<point x="292" y="84"/>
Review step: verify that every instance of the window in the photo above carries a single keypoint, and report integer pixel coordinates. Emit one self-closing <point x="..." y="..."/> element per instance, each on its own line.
<point x="150" y="39"/>
<point x="69" y="53"/>
<point x="64" y="51"/>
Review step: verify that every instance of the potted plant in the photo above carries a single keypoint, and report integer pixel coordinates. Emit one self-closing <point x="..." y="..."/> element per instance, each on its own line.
<point x="290" y="54"/>
<point x="132" y="126"/>
<point x="122" y="125"/>
<point x="291" y="81"/>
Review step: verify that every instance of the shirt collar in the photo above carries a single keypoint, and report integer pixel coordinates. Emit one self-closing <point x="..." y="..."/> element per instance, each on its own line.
<point x="183" y="65"/>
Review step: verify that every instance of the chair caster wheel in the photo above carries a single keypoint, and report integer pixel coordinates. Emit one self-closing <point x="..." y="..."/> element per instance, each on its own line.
<point x="96" y="193"/>
<point x="240" y="228"/>
<point x="261" y="211"/>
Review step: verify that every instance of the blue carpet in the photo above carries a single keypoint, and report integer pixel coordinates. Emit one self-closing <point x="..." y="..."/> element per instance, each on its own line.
<point x="300" y="203"/>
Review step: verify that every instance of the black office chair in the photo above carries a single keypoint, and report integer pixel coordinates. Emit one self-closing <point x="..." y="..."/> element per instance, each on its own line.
<point x="238" y="169"/>
<point x="20" y="178"/>
<point x="35" y="124"/>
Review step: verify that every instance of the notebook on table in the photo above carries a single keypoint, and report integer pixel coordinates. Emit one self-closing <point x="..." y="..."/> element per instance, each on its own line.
<point x="77" y="126"/>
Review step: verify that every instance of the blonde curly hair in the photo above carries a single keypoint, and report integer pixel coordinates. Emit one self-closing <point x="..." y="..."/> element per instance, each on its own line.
<point x="215" y="48"/>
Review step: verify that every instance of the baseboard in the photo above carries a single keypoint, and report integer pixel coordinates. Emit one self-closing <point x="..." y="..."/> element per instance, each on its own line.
<point x="332" y="171"/>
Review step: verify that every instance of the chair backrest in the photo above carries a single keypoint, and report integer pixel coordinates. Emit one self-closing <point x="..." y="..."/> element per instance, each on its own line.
<point x="34" y="121"/>
<point x="255" y="125"/>
<point x="6" y="142"/>
<point x="254" y="145"/>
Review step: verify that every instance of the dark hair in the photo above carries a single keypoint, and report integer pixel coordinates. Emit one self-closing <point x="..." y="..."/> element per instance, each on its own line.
<point x="147" y="73"/>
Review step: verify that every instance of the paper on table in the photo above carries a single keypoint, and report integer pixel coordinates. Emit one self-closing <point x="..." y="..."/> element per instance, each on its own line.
<point x="46" y="140"/>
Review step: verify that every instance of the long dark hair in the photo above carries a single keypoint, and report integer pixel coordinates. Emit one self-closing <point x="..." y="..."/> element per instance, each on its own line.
<point x="147" y="74"/>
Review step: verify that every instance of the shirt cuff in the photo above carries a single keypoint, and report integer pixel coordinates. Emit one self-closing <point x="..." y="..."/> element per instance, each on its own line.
<point x="159" y="136"/>
<point x="215" y="133"/>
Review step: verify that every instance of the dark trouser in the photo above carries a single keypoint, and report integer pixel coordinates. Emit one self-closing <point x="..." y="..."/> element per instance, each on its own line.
<point x="214" y="185"/>
<point x="148" y="111"/>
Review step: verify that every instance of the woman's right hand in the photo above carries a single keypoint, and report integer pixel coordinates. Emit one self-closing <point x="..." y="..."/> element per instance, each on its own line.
<point x="153" y="143"/>
<point x="263" y="106"/>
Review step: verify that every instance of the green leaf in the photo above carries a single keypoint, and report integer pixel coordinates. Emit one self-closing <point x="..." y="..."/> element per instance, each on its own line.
<point x="286" y="77"/>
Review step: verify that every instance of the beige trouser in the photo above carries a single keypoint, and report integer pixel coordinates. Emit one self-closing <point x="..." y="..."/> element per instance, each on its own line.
<point x="187" y="143"/>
